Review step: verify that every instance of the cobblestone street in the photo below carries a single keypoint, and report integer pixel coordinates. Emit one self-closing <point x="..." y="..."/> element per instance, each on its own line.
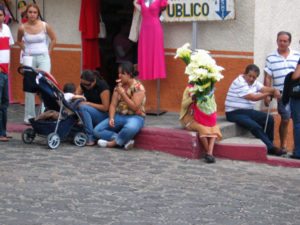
<point x="89" y="185"/>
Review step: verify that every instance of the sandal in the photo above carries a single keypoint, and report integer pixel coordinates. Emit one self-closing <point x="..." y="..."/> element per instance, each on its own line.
<point x="91" y="143"/>
<point x="3" y="139"/>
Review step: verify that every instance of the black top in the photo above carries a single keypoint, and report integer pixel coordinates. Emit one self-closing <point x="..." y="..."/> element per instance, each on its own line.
<point x="93" y="95"/>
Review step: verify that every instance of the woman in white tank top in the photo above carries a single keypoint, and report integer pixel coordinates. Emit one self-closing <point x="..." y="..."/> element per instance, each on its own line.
<point x="33" y="40"/>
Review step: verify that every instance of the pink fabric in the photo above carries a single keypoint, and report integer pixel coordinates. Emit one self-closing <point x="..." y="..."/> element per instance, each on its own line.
<point x="151" y="55"/>
<point x="204" y="119"/>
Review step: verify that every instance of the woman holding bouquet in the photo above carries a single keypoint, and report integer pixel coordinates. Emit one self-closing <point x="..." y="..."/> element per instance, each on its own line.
<point x="208" y="131"/>
<point x="198" y="107"/>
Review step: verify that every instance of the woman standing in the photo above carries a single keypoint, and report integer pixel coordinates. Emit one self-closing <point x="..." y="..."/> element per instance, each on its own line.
<point x="94" y="109"/>
<point x="32" y="39"/>
<point x="126" y="111"/>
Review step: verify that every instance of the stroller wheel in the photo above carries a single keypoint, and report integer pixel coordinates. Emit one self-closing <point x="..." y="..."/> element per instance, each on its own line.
<point x="80" y="139"/>
<point x="53" y="140"/>
<point x="28" y="136"/>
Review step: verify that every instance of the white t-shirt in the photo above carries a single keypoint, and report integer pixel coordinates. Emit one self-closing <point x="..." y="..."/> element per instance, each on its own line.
<point x="239" y="88"/>
<point x="68" y="97"/>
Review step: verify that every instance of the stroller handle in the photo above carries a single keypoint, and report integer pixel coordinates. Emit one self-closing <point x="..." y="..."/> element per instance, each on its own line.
<point x="22" y="69"/>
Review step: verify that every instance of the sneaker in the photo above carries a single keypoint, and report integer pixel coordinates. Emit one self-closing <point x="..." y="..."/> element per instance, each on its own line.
<point x="209" y="158"/>
<point x="129" y="145"/>
<point x="102" y="143"/>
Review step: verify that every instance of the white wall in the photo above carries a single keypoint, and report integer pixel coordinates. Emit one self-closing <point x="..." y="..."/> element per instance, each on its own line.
<point x="231" y="35"/>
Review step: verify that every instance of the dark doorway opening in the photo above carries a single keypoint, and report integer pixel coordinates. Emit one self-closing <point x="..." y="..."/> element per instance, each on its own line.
<point x="117" y="16"/>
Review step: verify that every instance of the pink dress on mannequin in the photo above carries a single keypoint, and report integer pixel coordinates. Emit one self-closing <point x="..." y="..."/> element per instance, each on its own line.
<point x="151" y="55"/>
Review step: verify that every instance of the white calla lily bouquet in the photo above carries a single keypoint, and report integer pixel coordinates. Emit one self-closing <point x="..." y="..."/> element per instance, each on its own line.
<point x="202" y="71"/>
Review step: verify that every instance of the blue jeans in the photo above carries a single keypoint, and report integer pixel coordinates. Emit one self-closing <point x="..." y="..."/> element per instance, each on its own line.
<point x="254" y="121"/>
<point x="126" y="127"/>
<point x="4" y="102"/>
<point x="295" y="109"/>
<point x="91" y="117"/>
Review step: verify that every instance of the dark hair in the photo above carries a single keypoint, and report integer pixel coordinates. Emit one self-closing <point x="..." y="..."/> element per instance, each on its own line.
<point x="33" y="6"/>
<point x="69" y="88"/>
<point x="252" y="67"/>
<point x="285" y="33"/>
<point x="127" y="67"/>
<point x="2" y="9"/>
<point x="88" y="75"/>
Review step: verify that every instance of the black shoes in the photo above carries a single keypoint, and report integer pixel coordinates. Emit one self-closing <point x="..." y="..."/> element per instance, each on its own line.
<point x="209" y="158"/>
<point x="295" y="157"/>
<point x="276" y="151"/>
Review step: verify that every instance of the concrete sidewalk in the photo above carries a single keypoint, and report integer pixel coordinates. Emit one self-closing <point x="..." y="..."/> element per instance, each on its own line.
<point x="164" y="133"/>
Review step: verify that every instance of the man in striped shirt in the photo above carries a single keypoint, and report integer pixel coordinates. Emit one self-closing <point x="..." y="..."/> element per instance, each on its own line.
<point x="242" y="95"/>
<point x="6" y="40"/>
<point x="278" y="64"/>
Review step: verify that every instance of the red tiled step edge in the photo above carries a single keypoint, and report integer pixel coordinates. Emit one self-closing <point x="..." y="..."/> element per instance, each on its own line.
<point x="186" y="144"/>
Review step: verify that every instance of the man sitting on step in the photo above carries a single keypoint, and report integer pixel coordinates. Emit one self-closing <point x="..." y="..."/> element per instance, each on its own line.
<point x="242" y="95"/>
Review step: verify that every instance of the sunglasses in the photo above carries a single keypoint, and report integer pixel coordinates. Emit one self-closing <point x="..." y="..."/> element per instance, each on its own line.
<point x="86" y="85"/>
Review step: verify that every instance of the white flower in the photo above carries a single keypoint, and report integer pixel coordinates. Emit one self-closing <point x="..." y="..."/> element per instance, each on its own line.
<point x="184" y="51"/>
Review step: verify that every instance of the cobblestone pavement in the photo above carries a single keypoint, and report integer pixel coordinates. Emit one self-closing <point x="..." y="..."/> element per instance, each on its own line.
<point x="90" y="185"/>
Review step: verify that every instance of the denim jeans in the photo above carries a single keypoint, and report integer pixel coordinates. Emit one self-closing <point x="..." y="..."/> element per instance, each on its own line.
<point x="295" y="113"/>
<point x="254" y="121"/>
<point x="91" y="117"/>
<point x="42" y="62"/>
<point x="126" y="127"/>
<point x="4" y="102"/>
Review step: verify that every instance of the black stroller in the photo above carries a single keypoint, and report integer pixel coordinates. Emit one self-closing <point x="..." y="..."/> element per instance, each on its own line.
<point x="55" y="130"/>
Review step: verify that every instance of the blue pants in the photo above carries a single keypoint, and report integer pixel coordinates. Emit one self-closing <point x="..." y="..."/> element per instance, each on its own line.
<point x="4" y="102"/>
<point x="126" y="127"/>
<point x="254" y="121"/>
<point x="91" y="117"/>
<point x="295" y="108"/>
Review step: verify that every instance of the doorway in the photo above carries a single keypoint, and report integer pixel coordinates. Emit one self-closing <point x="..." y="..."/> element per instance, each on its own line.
<point x="117" y="16"/>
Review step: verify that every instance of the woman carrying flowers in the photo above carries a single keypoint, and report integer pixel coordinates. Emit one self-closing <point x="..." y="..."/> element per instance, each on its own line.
<point x="198" y="107"/>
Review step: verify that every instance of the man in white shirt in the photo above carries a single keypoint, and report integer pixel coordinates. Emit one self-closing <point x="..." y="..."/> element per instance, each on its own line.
<point x="243" y="93"/>
<point x="278" y="64"/>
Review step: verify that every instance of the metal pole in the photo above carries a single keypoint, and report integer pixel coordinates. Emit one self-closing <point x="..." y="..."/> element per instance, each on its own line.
<point x="195" y="34"/>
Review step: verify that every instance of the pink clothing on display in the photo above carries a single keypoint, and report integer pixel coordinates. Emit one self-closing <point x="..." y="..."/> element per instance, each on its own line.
<point x="151" y="55"/>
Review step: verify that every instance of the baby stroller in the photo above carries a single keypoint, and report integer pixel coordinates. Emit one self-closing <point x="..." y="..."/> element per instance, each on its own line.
<point x="55" y="130"/>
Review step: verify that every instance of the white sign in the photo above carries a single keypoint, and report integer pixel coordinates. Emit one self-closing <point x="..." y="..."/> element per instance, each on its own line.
<point x="199" y="10"/>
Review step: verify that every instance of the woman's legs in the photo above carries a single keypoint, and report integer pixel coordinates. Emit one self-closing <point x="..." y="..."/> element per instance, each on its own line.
<point x="127" y="125"/>
<point x="91" y="117"/>
<point x="208" y="145"/>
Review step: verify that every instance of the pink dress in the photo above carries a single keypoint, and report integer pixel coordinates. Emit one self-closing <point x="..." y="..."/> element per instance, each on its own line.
<point x="151" y="55"/>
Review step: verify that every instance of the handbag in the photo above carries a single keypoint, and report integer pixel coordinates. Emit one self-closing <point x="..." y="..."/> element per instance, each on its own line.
<point x="102" y="33"/>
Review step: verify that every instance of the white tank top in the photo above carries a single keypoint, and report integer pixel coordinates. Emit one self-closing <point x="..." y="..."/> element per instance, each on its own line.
<point x="36" y="44"/>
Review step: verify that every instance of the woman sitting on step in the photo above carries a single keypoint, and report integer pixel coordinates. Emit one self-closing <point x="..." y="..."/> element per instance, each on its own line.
<point x="208" y="131"/>
<point x="126" y="111"/>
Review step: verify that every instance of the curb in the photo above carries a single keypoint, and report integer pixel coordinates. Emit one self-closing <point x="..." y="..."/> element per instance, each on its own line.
<point x="186" y="144"/>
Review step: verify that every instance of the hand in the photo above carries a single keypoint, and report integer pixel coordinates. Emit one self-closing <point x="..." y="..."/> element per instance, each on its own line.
<point x="267" y="101"/>
<point x="120" y="89"/>
<point x="111" y="123"/>
<point x="277" y="95"/>
<point x="84" y="103"/>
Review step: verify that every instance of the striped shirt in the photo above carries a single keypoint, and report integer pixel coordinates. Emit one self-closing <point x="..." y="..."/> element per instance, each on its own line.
<point x="239" y="88"/>
<point x="6" y="40"/>
<point x="278" y="67"/>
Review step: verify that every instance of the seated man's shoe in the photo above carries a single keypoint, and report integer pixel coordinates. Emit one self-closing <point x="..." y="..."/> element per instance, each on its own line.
<point x="209" y="158"/>
<point x="295" y="157"/>
<point x="3" y="139"/>
<point x="276" y="151"/>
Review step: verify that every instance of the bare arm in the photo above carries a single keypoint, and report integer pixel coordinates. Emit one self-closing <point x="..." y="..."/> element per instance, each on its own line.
<point x="296" y="74"/>
<point x="133" y="103"/>
<point x="264" y="93"/>
<point x="112" y="109"/>
<point x="105" y="102"/>
<point x="19" y="37"/>
<point x="268" y="82"/>
<point x="52" y="38"/>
